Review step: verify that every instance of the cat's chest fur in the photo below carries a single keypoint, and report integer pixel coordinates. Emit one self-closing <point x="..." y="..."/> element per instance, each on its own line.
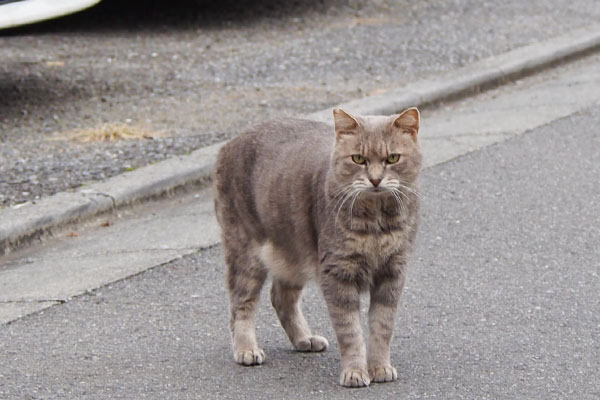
<point x="376" y="243"/>
<point x="375" y="231"/>
<point x="369" y="242"/>
<point x="374" y="248"/>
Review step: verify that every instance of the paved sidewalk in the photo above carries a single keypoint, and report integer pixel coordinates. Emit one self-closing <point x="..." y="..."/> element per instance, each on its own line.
<point x="501" y="301"/>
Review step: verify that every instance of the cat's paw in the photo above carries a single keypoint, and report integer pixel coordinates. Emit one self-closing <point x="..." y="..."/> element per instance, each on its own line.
<point x="249" y="357"/>
<point x="354" y="377"/>
<point x="312" y="343"/>
<point x="383" y="373"/>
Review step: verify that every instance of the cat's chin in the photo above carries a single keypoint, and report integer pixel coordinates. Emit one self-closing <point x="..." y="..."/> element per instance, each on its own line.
<point x="376" y="191"/>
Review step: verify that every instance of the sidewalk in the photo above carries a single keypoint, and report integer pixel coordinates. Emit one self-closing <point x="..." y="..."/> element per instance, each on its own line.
<point x="500" y="303"/>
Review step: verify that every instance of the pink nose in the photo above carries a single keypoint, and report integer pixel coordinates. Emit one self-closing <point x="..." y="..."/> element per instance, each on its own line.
<point x="375" y="182"/>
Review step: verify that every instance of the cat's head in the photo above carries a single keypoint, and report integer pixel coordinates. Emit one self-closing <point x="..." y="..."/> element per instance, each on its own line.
<point x="376" y="154"/>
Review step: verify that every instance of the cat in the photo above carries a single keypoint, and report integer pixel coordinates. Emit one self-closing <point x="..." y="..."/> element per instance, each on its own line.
<point x="301" y="199"/>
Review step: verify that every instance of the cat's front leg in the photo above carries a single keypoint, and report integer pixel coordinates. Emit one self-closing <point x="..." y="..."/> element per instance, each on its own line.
<point x="343" y="301"/>
<point x="385" y="294"/>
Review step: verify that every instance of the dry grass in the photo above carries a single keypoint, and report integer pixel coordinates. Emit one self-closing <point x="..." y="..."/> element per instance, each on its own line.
<point x="110" y="132"/>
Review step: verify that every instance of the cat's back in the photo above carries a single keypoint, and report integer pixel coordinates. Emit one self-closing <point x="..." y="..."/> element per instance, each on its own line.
<point x="274" y="147"/>
<point x="257" y="170"/>
<point x="272" y="140"/>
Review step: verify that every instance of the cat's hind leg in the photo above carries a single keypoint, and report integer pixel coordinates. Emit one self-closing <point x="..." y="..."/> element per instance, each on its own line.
<point x="245" y="277"/>
<point x="285" y="298"/>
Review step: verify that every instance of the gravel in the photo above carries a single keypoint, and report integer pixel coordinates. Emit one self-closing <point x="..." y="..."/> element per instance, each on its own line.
<point x="202" y="71"/>
<point x="34" y="173"/>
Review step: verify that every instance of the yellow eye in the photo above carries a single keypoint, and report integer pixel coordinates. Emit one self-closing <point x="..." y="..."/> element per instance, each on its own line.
<point x="393" y="158"/>
<point x="358" y="159"/>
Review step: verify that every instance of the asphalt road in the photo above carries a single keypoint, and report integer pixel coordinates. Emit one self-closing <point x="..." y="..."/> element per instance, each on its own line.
<point x="197" y="71"/>
<point x="501" y="302"/>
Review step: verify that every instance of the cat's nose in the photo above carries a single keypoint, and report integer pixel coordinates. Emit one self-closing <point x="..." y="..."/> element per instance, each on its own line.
<point x="375" y="182"/>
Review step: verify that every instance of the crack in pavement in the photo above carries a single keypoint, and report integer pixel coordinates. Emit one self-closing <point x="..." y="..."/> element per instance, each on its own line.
<point x="84" y="255"/>
<point x="469" y="135"/>
<point x="90" y="194"/>
<point x="60" y="301"/>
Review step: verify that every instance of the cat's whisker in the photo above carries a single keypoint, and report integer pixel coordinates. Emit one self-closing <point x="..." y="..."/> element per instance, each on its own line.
<point x="346" y="198"/>
<point x="341" y="190"/>
<point x="400" y="192"/>
<point x="345" y="193"/>
<point x="395" y="200"/>
<point x="407" y="186"/>
<point x="399" y="202"/>
<point x="411" y="191"/>
<point x="340" y="195"/>
<point x="358" y="193"/>
<point x="338" y="198"/>
<point x="402" y="189"/>
<point x="403" y="199"/>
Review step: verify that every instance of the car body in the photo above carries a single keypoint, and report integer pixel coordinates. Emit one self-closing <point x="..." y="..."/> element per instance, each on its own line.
<point x="15" y="13"/>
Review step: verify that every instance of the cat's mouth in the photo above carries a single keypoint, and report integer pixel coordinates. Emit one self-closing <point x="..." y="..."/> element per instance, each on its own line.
<point x="375" y="190"/>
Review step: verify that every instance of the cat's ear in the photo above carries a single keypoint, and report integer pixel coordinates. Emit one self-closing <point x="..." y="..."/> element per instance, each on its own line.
<point x="408" y="121"/>
<point x="345" y="124"/>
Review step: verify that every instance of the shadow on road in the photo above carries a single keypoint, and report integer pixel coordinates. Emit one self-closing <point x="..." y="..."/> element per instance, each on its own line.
<point x="140" y="15"/>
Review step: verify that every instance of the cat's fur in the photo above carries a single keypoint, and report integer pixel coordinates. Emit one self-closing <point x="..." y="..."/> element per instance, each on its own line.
<point x="292" y="202"/>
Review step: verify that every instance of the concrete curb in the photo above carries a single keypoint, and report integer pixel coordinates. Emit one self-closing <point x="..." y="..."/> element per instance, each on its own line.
<point x="31" y="221"/>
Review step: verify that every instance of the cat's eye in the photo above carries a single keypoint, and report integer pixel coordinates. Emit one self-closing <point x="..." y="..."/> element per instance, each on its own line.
<point x="358" y="159"/>
<point x="393" y="158"/>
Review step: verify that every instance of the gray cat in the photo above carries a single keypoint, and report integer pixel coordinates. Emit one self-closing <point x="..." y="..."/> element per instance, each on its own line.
<point x="299" y="199"/>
